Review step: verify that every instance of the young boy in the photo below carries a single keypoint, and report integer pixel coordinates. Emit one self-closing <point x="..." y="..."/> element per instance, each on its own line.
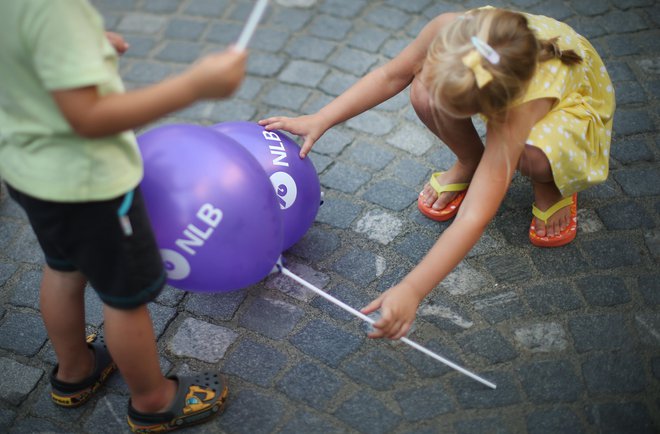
<point x="70" y="160"/>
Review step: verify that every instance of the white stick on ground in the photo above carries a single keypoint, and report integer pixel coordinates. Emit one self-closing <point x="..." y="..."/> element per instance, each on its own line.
<point x="251" y="24"/>
<point x="364" y="317"/>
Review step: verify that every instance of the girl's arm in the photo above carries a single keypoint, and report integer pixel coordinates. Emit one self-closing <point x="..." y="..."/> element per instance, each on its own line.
<point x="504" y="145"/>
<point x="377" y="86"/>
<point x="92" y="115"/>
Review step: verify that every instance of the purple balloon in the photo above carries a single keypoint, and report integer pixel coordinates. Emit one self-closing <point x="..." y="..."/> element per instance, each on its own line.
<point x="212" y="208"/>
<point x="295" y="181"/>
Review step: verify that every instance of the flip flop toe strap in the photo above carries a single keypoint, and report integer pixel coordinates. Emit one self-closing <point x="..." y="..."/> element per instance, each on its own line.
<point x="545" y="215"/>
<point x="446" y="187"/>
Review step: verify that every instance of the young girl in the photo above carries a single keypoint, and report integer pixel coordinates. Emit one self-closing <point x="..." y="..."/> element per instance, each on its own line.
<point x="548" y="103"/>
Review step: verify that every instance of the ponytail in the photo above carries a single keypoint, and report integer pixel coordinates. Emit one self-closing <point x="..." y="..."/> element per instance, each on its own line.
<point x="549" y="49"/>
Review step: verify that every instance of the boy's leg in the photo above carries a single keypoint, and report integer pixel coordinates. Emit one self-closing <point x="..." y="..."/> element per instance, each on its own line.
<point x="459" y="135"/>
<point x="62" y="307"/>
<point x="130" y="338"/>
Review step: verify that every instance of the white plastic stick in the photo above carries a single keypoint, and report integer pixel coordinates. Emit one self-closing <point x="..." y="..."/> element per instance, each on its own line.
<point x="404" y="339"/>
<point x="251" y="24"/>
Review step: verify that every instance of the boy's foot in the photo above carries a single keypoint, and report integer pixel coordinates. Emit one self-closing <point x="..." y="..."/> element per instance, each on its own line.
<point x="75" y="394"/>
<point x="198" y="398"/>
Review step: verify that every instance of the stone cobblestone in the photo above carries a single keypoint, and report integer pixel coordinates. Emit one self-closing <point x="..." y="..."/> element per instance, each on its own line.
<point x="570" y="336"/>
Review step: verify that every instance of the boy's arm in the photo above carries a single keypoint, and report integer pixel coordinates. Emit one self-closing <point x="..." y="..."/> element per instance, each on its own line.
<point x="504" y="145"/>
<point x="92" y="115"/>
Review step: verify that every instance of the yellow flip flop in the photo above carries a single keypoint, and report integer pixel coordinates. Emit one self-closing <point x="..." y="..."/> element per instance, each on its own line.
<point x="451" y="209"/>
<point x="567" y="235"/>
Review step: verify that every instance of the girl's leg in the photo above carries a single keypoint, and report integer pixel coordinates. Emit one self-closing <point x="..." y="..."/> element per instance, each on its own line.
<point x="130" y="338"/>
<point x="62" y="307"/>
<point x="535" y="165"/>
<point x="459" y="134"/>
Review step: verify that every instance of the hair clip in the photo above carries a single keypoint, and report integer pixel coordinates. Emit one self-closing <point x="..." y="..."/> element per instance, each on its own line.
<point x="473" y="61"/>
<point x="485" y="50"/>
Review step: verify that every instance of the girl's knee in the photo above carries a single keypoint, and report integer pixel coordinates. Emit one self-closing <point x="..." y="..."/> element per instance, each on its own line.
<point x="534" y="164"/>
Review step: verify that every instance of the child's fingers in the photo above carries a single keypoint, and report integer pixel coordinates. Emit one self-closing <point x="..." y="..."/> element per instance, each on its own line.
<point x="306" y="147"/>
<point x="374" y="305"/>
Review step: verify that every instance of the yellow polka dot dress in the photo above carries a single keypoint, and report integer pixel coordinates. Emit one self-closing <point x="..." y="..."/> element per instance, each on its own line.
<point x="576" y="134"/>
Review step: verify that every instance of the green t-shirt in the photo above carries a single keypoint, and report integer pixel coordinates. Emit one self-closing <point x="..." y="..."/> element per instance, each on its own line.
<point x="49" y="45"/>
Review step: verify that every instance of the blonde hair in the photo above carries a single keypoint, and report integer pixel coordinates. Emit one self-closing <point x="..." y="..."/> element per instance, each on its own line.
<point x="452" y="83"/>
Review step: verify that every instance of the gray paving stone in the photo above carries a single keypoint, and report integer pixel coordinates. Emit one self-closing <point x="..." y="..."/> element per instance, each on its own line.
<point x="424" y="403"/>
<point x="648" y="328"/>
<point x="632" y="151"/>
<point x="445" y="314"/>
<point x="509" y="268"/>
<point x="303" y="73"/>
<point x="180" y="51"/>
<point x="554" y="420"/>
<point x="17" y="380"/>
<point x="161" y="316"/>
<point x="550" y="381"/>
<point x="391" y="195"/>
<point x="32" y="425"/>
<point x="630" y="92"/>
<point x="170" y="296"/>
<point x="223" y="34"/>
<point x="557" y="262"/>
<point x="333" y="142"/>
<point x="624" y="417"/>
<point x="639" y="182"/>
<point x="201" y="340"/>
<point x="338" y="213"/>
<point x="161" y="6"/>
<point x="623" y="215"/>
<point x="604" y="290"/>
<point x="344" y="177"/>
<point x="614" y="373"/>
<point x="360" y="266"/>
<point x="649" y="287"/>
<point x="378" y="369"/>
<point x="185" y="29"/>
<point x="553" y="8"/>
<point x="293" y="19"/>
<point x="380" y="226"/>
<point x="205" y="8"/>
<point x="366" y="413"/>
<point x="272" y="40"/>
<point x="251" y="412"/>
<point x="491" y="425"/>
<point x="552" y="297"/>
<point x="615" y="251"/>
<point x="230" y="111"/>
<point x="255" y="362"/>
<point x="264" y="64"/>
<point x="26" y="248"/>
<point x="272" y="318"/>
<point x="321" y="162"/>
<point x="142" y="23"/>
<point x="6" y="418"/>
<point x="220" y="306"/>
<point x="500" y="307"/>
<point x="23" y="333"/>
<point x="596" y="7"/>
<point x="655" y="367"/>
<point x="26" y="290"/>
<point x="310" y="48"/>
<point x="346" y="294"/>
<point x="427" y="366"/>
<point x="599" y="332"/>
<point x="310" y="384"/>
<point x="371" y="122"/>
<point x="368" y="38"/>
<point x="44" y="407"/>
<point x="489" y="344"/>
<point x="326" y="342"/>
<point x="141" y="46"/>
<point x="352" y="61"/>
<point x="389" y="18"/>
<point x="316" y="244"/>
<point x="370" y="155"/>
<point x="286" y="96"/>
<point x="305" y="422"/>
<point x="472" y="394"/>
<point x="343" y="8"/>
<point x="109" y="415"/>
<point x="410" y="5"/>
<point x="542" y="337"/>
<point x="146" y="72"/>
<point x="464" y="279"/>
<point x="412" y="173"/>
<point x="632" y="121"/>
<point x="328" y="27"/>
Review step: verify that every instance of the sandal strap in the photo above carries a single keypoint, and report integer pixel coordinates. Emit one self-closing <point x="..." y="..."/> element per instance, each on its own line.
<point x="545" y="215"/>
<point x="447" y="187"/>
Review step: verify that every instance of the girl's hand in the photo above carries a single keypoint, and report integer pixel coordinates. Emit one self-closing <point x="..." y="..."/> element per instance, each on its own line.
<point x="218" y="75"/>
<point x="309" y="127"/>
<point x="117" y="41"/>
<point x="398" y="306"/>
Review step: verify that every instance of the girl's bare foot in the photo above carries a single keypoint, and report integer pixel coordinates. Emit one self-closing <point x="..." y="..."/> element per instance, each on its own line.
<point x="546" y="195"/>
<point x="458" y="173"/>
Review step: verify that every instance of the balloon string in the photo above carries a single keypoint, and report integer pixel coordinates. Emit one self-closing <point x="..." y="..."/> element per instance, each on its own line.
<point x="365" y="318"/>
<point x="251" y="24"/>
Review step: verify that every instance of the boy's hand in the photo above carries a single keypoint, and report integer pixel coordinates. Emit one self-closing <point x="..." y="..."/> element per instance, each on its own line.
<point x="218" y="75"/>
<point x="308" y="127"/>
<point x="398" y="306"/>
<point x="117" y="41"/>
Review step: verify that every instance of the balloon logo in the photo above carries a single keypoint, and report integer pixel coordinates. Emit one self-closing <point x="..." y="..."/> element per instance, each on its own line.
<point x="213" y="211"/>
<point x="295" y="182"/>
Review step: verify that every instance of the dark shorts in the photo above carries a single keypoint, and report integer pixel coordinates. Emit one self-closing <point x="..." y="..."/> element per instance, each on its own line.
<point x="123" y="265"/>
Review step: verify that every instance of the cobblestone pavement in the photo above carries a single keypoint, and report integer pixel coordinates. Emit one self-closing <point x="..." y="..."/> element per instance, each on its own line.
<point x="571" y="336"/>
